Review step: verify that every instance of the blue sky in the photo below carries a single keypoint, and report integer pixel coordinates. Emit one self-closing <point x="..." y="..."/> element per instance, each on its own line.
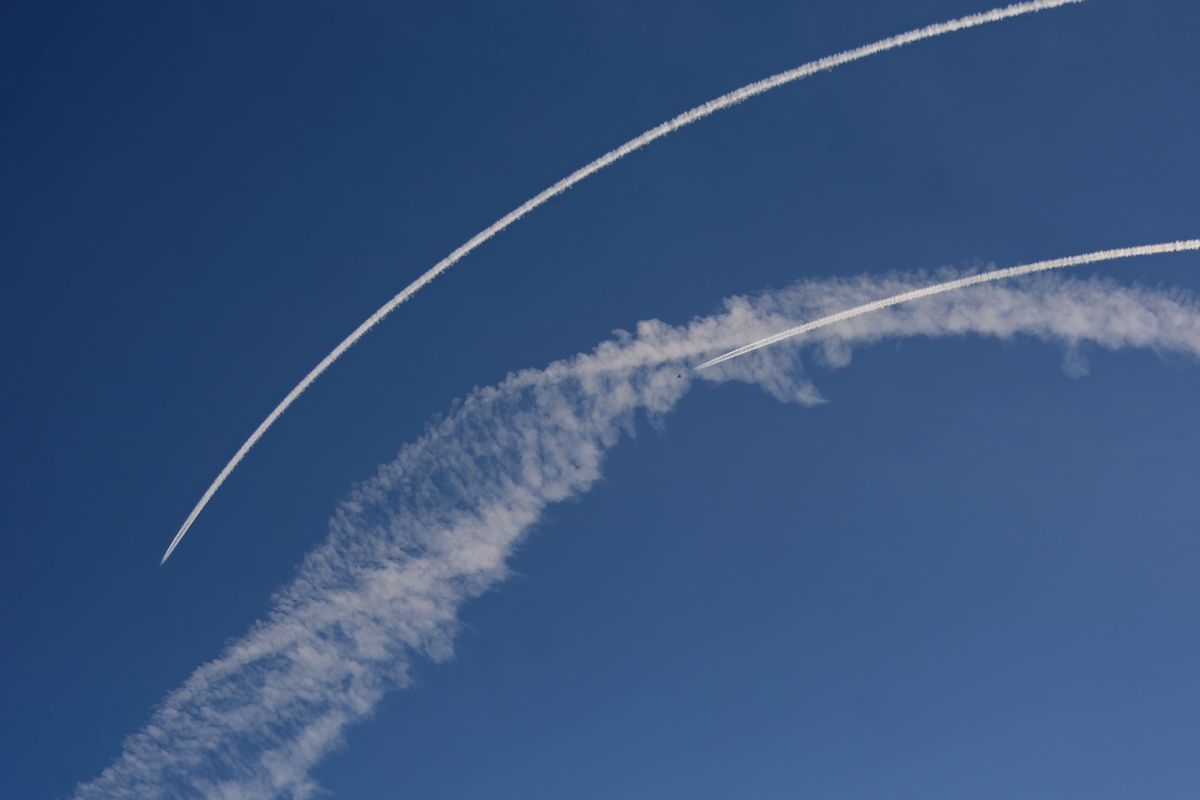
<point x="965" y="574"/>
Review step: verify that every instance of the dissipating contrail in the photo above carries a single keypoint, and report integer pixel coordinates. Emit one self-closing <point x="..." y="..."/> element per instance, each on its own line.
<point x="681" y="121"/>
<point x="435" y="528"/>
<point x="954" y="285"/>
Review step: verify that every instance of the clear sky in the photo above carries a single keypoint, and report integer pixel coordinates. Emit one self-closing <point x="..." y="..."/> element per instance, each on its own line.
<point x="966" y="574"/>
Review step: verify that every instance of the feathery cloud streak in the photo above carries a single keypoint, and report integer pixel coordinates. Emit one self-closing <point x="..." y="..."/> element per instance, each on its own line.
<point x="436" y="526"/>
<point x="681" y="121"/>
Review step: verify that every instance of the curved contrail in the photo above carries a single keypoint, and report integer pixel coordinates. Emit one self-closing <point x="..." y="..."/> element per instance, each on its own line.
<point x="674" y="124"/>
<point x="950" y="286"/>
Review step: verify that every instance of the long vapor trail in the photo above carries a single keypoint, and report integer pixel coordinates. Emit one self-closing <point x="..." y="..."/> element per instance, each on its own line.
<point x="437" y="526"/>
<point x="954" y="285"/>
<point x="681" y="121"/>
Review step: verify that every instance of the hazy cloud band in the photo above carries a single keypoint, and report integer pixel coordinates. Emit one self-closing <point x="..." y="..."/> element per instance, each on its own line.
<point x="436" y="526"/>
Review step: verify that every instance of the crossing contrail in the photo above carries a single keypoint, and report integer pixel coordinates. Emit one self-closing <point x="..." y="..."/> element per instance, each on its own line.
<point x="950" y="286"/>
<point x="683" y="120"/>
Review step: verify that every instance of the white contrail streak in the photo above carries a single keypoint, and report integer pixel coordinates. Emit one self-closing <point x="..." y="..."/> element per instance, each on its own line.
<point x="438" y="525"/>
<point x="683" y="120"/>
<point x="950" y="286"/>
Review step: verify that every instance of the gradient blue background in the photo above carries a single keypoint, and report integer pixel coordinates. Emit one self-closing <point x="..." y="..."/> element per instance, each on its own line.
<point x="965" y="576"/>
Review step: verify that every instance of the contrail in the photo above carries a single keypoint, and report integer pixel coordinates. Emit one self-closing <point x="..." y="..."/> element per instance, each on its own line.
<point x="682" y="121"/>
<point x="437" y="526"/>
<point x="950" y="286"/>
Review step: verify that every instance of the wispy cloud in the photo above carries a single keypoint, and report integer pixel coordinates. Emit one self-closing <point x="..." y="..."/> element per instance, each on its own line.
<point x="583" y="173"/>
<point x="436" y="526"/>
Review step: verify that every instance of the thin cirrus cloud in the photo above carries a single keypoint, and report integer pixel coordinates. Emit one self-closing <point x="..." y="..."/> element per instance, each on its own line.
<point x="435" y="527"/>
<point x="670" y="126"/>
